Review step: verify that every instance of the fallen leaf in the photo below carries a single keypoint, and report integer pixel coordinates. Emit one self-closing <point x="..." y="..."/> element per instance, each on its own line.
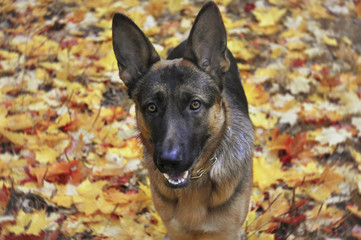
<point x="29" y="223"/>
<point x="265" y="173"/>
<point x="332" y="136"/>
<point x="268" y="17"/>
<point x="330" y="41"/>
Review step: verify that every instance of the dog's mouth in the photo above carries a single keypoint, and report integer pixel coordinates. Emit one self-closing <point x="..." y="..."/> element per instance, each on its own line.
<point x="177" y="180"/>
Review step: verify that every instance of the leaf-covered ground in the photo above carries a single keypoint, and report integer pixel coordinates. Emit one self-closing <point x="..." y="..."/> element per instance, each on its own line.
<point x="70" y="160"/>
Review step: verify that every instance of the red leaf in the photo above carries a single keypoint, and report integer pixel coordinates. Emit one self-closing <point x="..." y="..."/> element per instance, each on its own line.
<point x="298" y="62"/>
<point x="249" y="7"/>
<point x="298" y="219"/>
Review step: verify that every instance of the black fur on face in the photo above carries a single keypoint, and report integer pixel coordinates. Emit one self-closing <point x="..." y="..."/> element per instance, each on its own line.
<point x="174" y="101"/>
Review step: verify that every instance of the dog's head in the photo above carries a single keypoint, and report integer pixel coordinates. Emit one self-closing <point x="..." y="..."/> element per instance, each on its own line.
<point x="178" y="102"/>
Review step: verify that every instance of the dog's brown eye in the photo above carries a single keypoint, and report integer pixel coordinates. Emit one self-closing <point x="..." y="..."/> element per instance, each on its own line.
<point x="196" y="104"/>
<point x="152" y="107"/>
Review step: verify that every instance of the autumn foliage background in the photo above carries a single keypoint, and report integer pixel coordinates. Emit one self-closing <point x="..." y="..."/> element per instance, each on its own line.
<point x="70" y="159"/>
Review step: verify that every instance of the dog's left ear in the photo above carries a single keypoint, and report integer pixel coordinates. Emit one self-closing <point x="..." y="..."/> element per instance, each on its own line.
<point x="133" y="50"/>
<point x="207" y="42"/>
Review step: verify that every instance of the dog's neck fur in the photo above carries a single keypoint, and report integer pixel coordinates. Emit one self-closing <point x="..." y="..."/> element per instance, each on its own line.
<point x="234" y="137"/>
<point x="235" y="144"/>
<point x="206" y="161"/>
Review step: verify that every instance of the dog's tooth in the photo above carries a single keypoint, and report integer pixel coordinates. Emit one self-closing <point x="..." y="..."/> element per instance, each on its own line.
<point x="179" y="180"/>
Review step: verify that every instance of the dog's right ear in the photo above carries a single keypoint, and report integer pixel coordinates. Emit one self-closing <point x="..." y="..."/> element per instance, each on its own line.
<point x="133" y="50"/>
<point x="207" y="42"/>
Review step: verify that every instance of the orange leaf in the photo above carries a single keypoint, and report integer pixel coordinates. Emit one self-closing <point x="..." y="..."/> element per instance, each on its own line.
<point x="156" y="7"/>
<point x="115" y="196"/>
<point x="39" y="173"/>
<point x="276" y="142"/>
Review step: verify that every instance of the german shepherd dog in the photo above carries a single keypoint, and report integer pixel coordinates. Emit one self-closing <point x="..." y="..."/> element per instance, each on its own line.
<point x="192" y="114"/>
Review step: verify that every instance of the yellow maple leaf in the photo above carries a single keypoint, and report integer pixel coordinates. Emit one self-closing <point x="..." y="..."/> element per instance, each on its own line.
<point x="109" y="135"/>
<point x="138" y="17"/>
<point x="17" y="138"/>
<point x="297" y="46"/>
<point x="18" y="121"/>
<point x="29" y="223"/>
<point x="246" y="67"/>
<point x="90" y="189"/>
<point x="268" y="17"/>
<point x="231" y="23"/>
<point x="256" y="94"/>
<point x="265" y="173"/>
<point x="263" y="74"/>
<point x="277" y="52"/>
<point x="145" y="188"/>
<point x="3" y="113"/>
<point x="330" y="41"/>
<point x="223" y="2"/>
<point x="8" y="55"/>
<point x="85" y="205"/>
<point x="175" y="6"/>
<point x="90" y="198"/>
<point x="108" y="63"/>
<point x="53" y="66"/>
<point x="241" y="49"/>
<point x="45" y="154"/>
<point x="263" y="120"/>
<point x="61" y="121"/>
<point x="62" y="200"/>
<point x="270" y="30"/>
<point x="329" y="181"/>
<point x="279" y="2"/>
<point x="346" y="40"/>
<point x="131" y="150"/>
<point x="41" y="74"/>
<point x="266" y="236"/>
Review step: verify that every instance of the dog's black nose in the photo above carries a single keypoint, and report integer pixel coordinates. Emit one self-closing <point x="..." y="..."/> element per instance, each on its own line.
<point x="171" y="159"/>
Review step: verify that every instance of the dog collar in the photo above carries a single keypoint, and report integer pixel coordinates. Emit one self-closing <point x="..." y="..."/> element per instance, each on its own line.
<point x="201" y="172"/>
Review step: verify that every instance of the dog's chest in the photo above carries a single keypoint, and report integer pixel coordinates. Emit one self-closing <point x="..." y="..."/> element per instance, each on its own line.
<point x="189" y="211"/>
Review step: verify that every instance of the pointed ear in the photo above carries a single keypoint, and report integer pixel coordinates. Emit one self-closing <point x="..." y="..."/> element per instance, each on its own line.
<point x="207" y="42"/>
<point x="132" y="49"/>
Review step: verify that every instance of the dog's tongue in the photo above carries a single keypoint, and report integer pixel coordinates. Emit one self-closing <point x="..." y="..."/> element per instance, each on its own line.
<point x="175" y="176"/>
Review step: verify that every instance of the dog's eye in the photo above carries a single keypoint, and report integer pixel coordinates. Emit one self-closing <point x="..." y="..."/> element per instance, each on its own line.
<point x="196" y="104"/>
<point x="152" y="107"/>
